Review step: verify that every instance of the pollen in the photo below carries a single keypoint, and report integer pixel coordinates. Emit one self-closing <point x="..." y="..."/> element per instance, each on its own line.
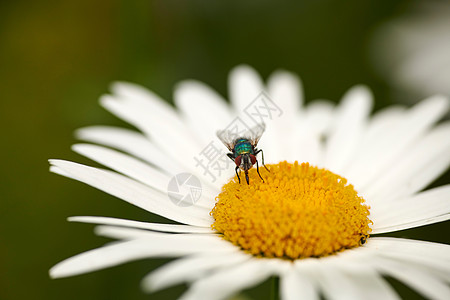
<point x="298" y="211"/>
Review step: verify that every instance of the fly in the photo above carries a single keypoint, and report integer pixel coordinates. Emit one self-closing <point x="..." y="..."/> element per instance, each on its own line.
<point x="243" y="149"/>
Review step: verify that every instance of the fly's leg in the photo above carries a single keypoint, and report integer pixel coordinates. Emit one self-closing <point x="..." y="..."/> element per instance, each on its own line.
<point x="257" y="170"/>
<point x="262" y="156"/>
<point x="246" y="177"/>
<point x="239" y="178"/>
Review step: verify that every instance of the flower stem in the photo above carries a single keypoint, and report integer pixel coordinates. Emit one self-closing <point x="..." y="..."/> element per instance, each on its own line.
<point x="275" y="293"/>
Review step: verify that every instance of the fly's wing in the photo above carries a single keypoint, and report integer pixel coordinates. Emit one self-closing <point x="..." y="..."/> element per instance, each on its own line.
<point x="228" y="138"/>
<point x="255" y="133"/>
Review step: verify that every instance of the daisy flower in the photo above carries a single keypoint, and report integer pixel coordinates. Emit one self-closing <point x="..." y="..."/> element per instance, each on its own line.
<point x="337" y="177"/>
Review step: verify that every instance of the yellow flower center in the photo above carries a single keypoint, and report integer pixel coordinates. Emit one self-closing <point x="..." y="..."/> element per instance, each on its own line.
<point x="299" y="211"/>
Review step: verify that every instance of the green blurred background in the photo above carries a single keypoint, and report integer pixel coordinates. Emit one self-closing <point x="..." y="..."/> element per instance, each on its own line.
<point x="58" y="57"/>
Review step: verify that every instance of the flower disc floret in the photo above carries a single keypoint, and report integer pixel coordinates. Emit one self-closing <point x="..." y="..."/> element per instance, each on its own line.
<point x="298" y="211"/>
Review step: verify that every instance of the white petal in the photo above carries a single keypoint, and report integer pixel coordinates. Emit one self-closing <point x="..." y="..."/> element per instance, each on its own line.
<point x="195" y="242"/>
<point x="160" y="127"/>
<point x="204" y="109"/>
<point x="419" y="166"/>
<point x="307" y="144"/>
<point x="59" y="171"/>
<point x="147" y="100"/>
<point x="425" y="264"/>
<point x="398" y="140"/>
<point x="135" y="193"/>
<point x="351" y="118"/>
<point x="427" y="257"/>
<point x="386" y="246"/>
<point x="295" y="285"/>
<point x="418" y="223"/>
<point x="131" y="142"/>
<point x="411" y="210"/>
<point x="175" y="228"/>
<point x="426" y="284"/>
<point x="372" y="142"/>
<point x="138" y="145"/>
<point x="100" y="258"/>
<point x="153" y="245"/>
<point x="127" y="233"/>
<point x="225" y="283"/>
<point x="340" y="283"/>
<point x="125" y="164"/>
<point x="189" y="269"/>
<point x="138" y="170"/>
<point x="318" y="117"/>
<point x="149" y="112"/>
<point x="373" y="286"/>
<point x="245" y="85"/>
<point x="144" y="115"/>
<point x="173" y="138"/>
<point x="285" y="90"/>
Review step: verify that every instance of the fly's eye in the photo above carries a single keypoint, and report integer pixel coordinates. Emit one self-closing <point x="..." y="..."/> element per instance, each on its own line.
<point x="253" y="159"/>
<point x="237" y="160"/>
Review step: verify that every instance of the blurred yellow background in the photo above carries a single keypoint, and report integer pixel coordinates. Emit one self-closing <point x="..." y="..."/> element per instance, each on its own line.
<point x="58" y="57"/>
